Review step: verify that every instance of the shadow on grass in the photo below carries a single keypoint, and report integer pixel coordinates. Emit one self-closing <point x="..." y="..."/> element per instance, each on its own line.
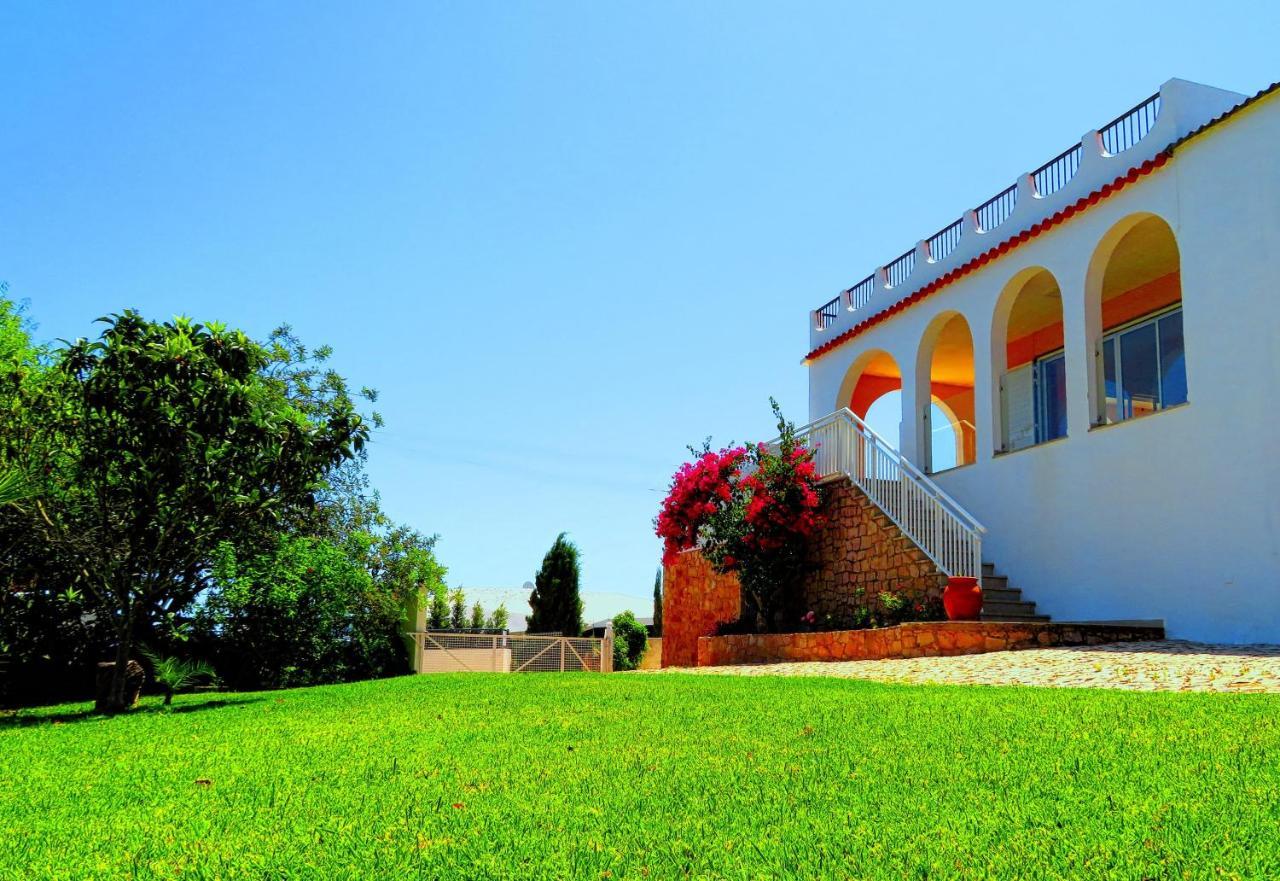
<point x="27" y="718"/>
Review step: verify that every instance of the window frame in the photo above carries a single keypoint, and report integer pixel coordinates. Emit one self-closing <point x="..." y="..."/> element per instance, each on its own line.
<point x="1113" y="336"/>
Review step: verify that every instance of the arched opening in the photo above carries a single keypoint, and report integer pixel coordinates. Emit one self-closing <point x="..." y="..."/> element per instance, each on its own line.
<point x="1028" y="356"/>
<point x="872" y="375"/>
<point x="884" y="417"/>
<point x="1135" y="303"/>
<point x="950" y="436"/>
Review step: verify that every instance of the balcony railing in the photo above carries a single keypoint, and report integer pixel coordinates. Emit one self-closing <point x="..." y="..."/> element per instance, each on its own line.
<point x="1119" y="135"/>
<point x="997" y="209"/>
<point x="900" y="269"/>
<point x="860" y="294"/>
<point x="944" y="241"/>
<point x="827" y="312"/>
<point x="1128" y="128"/>
<point x="1058" y="171"/>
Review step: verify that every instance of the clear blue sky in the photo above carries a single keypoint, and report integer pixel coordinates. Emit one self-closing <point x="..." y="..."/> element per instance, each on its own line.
<point x="562" y="239"/>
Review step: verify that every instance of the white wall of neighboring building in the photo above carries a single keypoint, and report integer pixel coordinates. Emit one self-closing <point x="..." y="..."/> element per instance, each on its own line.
<point x="1175" y="515"/>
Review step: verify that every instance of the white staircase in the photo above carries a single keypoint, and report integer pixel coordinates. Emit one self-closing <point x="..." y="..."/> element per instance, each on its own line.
<point x="844" y="445"/>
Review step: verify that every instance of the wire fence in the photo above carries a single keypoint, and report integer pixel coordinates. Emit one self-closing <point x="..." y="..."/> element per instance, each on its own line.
<point x="451" y="652"/>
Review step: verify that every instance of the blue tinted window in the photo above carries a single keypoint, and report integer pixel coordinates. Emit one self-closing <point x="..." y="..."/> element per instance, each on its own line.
<point x="1139" y="379"/>
<point x="1051" y="414"/>
<point x="1173" y="365"/>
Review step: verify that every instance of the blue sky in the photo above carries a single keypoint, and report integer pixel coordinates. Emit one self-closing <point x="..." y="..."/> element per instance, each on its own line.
<point x="563" y="240"/>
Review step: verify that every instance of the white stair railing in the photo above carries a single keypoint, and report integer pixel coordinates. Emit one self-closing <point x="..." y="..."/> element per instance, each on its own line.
<point x="947" y="533"/>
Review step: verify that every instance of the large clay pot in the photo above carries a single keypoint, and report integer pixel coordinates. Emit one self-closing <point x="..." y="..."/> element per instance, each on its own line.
<point x="963" y="598"/>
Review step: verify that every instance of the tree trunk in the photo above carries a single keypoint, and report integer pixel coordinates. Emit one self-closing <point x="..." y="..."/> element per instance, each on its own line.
<point x="117" y="699"/>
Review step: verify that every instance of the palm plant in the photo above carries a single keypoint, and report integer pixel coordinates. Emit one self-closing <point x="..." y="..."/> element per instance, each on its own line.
<point x="175" y="674"/>
<point x="13" y="487"/>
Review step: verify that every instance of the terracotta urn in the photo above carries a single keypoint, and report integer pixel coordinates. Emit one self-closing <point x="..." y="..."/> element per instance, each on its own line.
<point x="963" y="598"/>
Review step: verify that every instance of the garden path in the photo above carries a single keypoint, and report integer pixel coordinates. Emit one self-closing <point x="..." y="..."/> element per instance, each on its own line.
<point x="1170" y="665"/>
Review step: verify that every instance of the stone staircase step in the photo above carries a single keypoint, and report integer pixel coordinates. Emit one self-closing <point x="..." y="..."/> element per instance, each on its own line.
<point x="996" y="581"/>
<point x="1001" y="595"/>
<point x="1015" y="618"/>
<point x="1019" y="608"/>
<point x="988" y="569"/>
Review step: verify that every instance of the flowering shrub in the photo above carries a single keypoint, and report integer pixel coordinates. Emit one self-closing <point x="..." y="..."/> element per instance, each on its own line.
<point x="751" y="511"/>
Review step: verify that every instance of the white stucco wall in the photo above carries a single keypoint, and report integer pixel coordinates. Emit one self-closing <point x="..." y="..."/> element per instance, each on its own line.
<point x="1175" y="515"/>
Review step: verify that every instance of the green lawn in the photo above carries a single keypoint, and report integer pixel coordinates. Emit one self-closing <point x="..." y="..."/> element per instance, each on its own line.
<point x="631" y="776"/>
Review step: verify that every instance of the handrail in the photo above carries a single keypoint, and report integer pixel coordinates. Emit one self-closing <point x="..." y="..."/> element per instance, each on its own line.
<point x="937" y="523"/>
<point x="1131" y="126"/>
<point x="1058" y="171"/>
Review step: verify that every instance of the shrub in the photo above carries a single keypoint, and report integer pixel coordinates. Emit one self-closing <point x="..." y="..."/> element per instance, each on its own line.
<point x="303" y="614"/>
<point x="629" y="641"/>
<point x="749" y="510"/>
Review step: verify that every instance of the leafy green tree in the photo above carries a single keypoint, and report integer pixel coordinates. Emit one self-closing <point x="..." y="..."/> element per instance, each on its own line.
<point x="629" y="641"/>
<point x="305" y="613"/>
<point x="157" y="444"/>
<point x="438" y="615"/>
<point x="458" y="611"/>
<point x="499" y="619"/>
<point x="477" y="617"/>
<point x="657" y="603"/>
<point x="556" y="602"/>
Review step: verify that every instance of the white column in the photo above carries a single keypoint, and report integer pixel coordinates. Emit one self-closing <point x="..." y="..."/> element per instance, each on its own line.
<point x="984" y="387"/>
<point x="1078" y="341"/>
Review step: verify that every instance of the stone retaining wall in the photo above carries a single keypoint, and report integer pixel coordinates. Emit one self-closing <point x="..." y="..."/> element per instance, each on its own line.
<point x="919" y="639"/>
<point x="695" y="598"/>
<point x="860" y="554"/>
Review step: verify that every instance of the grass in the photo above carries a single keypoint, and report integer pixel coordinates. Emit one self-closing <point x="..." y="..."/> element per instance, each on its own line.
<point x="581" y="776"/>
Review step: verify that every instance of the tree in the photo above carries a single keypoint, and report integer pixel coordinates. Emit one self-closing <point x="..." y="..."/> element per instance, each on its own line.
<point x="305" y="613"/>
<point x="438" y="615"/>
<point x="477" y="617"/>
<point x="657" y="603"/>
<point x="498" y="620"/>
<point x="555" y="601"/>
<point x="458" y="611"/>
<point x="629" y="641"/>
<point x="158" y="443"/>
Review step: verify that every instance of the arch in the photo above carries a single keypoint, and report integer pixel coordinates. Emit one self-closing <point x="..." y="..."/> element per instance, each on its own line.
<point x="873" y="374"/>
<point x="1028" y="361"/>
<point x="945" y="369"/>
<point x="1133" y="303"/>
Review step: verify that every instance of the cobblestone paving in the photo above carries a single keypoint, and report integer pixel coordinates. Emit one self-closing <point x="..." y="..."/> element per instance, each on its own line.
<point x="1138" y="666"/>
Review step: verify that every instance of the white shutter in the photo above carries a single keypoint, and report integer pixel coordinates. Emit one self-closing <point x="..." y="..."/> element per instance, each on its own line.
<point x="1017" y="394"/>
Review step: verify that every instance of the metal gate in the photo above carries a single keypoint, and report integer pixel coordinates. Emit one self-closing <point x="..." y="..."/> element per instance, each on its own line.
<point x="451" y="652"/>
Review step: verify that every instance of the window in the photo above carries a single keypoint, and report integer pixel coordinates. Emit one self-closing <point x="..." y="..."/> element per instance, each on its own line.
<point x="1143" y="367"/>
<point x="1051" y="398"/>
<point x="1034" y="402"/>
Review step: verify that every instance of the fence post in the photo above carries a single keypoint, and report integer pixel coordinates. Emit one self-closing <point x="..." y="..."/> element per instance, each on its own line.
<point x="606" y="649"/>
<point x="562" y="641"/>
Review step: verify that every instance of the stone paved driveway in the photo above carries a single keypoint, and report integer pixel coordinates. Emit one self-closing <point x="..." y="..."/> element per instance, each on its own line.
<point x="1139" y="666"/>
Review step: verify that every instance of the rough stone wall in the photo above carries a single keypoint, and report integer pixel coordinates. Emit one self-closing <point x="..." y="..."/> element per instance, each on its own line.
<point x="914" y="640"/>
<point x="860" y="549"/>
<point x="695" y="599"/>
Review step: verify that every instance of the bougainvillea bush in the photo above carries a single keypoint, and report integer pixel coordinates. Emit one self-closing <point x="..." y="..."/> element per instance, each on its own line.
<point x="750" y="510"/>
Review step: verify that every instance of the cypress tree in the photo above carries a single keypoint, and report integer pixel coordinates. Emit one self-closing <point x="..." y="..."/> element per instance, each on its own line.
<point x="657" y="603"/>
<point x="555" y="602"/>
<point x="458" y="614"/>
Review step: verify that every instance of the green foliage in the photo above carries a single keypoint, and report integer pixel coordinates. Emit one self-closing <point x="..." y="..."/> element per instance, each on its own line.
<point x="499" y="619"/>
<point x="706" y="777"/>
<point x="556" y="602"/>
<point x="175" y="674"/>
<point x="158" y="443"/>
<point x="629" y="641"/>
<point x="438" y="615"/>
<point x="458" y="611"/>
<point x="657" y="603"/>
<point x="477" y="617"/>
<point x="14" y="487"/>
<point x="303" y="614"/>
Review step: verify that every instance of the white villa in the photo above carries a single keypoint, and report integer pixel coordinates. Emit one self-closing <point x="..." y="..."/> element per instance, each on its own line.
<point x="1083" y="365"/>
